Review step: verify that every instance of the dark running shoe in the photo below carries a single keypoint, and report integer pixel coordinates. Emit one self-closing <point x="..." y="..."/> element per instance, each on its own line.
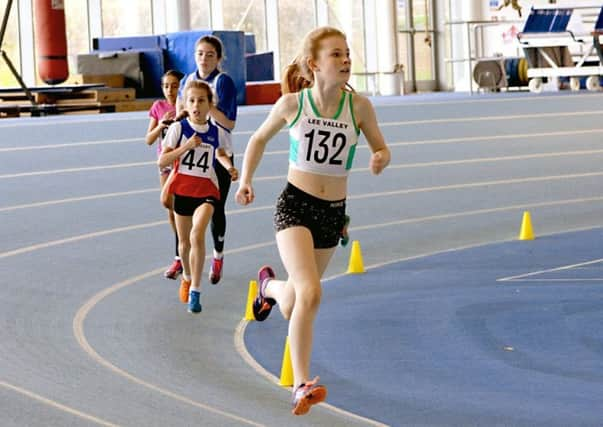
<point x="261" y="304"/>
<point x="174" y="270"/>
<point x="345" y="237"/>
<point x="215" y="270"/>
<point x="306" y="395"/>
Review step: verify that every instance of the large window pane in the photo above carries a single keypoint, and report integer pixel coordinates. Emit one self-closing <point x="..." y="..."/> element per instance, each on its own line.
<point x="248" y="17"/>
<point x="200" y="14"/>
<point x="76" y="20"/>
<point x="347" y="15"/>
<point x="126" y="18"/>
<point x="10" y="46"/>
<point x="295" y="20"/>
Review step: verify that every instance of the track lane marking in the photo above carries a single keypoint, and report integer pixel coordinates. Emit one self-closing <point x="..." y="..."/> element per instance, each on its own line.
<point x="100" y="233"/>
<point x="56" y="405"/>
<point x="284" y="131"/>
<point x="354" y="170"/>
<point x="465" y="139"/>
<point x="264" y="112"/>
<point x="80" y="336"/>
<point x="519" y="277"/>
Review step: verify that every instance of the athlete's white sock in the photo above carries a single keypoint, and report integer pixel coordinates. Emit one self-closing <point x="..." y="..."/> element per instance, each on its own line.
<point x="186" y="277"/>
<point x="218" y="255"/>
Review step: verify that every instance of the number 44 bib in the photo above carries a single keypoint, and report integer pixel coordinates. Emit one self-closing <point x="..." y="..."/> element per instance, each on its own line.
<point x="198" y="162"/>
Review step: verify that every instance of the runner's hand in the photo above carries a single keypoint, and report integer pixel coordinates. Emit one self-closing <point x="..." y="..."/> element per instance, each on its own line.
<point x="234" y="173"/>
<point x="244" y="194"/>
<point x="377" y="163"/>
<point x="193" y="142"/>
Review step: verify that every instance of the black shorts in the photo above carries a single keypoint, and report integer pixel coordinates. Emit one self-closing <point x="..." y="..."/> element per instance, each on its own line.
<point x="324" y="218"/>
<point x="185" y="206"/>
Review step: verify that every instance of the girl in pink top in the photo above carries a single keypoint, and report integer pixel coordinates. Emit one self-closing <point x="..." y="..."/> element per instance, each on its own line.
<point x="162" y="114"/>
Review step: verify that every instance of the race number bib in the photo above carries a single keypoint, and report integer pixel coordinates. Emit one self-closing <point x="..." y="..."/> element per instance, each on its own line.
<point x="198" y="162"/>
<point x="324" y="146"/>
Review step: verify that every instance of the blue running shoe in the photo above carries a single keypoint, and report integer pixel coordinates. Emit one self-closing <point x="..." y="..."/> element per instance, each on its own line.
<point x="194" y="303"/>
<point x="262" y="304"/>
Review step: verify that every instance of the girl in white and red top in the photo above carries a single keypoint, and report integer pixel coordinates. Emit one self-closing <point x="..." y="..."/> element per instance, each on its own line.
<point x="162" y="114"/>
<point x="195" y="145"/>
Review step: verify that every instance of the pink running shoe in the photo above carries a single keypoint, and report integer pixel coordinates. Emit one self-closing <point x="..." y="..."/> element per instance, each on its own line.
<point x="306" y="395"/>
<point x="215" y="270"/>
<point x="262" y="305"/>
<point x="174" y="270"/>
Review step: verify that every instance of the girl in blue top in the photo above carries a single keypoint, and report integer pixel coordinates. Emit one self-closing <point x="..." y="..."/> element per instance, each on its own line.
<point x="208" y="56"/>
<point x="324" y="123"/>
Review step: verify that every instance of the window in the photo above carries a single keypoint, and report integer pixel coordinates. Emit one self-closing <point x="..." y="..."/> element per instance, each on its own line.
<point x="10" y="45"/>
<point x="76" y="17"/>
<point x="248" y="17"/>
<point x="200" y="15"/>
<point x="348" y="16"/>
<point x="295" y="20"/>
<point x="126" y="18"/>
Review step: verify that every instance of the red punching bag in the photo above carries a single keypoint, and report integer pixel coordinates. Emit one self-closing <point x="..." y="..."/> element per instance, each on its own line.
<point x="51" y="40"/>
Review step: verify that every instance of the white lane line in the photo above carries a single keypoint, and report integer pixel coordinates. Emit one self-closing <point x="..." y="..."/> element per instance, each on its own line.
<point x="56" y="405"/>
<point x="78" y="199"/>
<point x="490" y="159"/>
<point x="493" y="100"/>
<point x="361" y="146"/>
<point x="514" y="117"/>
<point x="72" y="170"/>
<point x="71" y="144"/>
<point x="110" y="231"/>
<point x="241" y="348"/>
<point x="403" y="102"/>
<point x="79" y="237"/>
<point x="284" y="130"/>
<point x="474" y="184"/>
<point x="479" y="212"/>
<point x="484" y="138"/>
<point x="351" y="197"/>
<point x="536" y="273"/>
<point x="558" y="280"/>
<point x="80" y="335"/>
<point x="355" y="170"/>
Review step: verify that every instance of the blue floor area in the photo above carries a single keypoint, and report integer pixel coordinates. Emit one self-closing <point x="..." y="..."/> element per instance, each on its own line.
<point x="440" y="341"/>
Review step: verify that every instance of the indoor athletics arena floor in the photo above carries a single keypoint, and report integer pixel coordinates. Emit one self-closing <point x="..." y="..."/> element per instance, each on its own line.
<point x="456" y="322"/>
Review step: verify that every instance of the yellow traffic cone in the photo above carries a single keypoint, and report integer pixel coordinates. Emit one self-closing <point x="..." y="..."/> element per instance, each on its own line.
<point x="286" y="367"/>
<point x="526" y="232"/>
<point x="253" y="290"/>
<point x="356" y="265"/>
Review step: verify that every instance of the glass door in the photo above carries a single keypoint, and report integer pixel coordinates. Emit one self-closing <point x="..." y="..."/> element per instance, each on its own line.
<point x="416" y="44"/>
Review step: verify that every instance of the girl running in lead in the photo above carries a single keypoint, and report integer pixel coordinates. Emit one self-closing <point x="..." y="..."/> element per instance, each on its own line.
<point x="324" y="124"/>
<point x="195" y="144"/>
<point x="208" y="57"/>
<point x="162" y="114"/>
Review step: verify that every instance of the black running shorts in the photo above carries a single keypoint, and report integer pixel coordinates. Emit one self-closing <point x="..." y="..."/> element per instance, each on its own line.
<point x="185" y="206"/>
<point x="324" y="218"/>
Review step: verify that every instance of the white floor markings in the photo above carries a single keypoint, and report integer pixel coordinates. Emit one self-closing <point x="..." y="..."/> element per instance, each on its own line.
<point x="522" y="277"/>
<point x="514" y="117"/>
<point x="355" y="170"/>
<point x="79" y="199"/>
<point x="71" y="144"/>
<point x="80" y="335"/>
<point x="72" y="170"/>
<point x="56" y="405"/>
